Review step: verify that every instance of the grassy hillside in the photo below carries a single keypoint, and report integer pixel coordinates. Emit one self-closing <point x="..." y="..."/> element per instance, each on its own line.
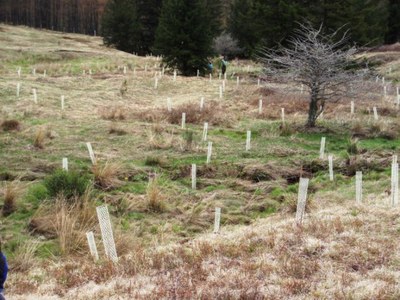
<point x="163" y="229"/>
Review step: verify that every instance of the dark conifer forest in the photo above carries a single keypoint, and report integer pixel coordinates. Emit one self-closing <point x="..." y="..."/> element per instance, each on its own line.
<point x="131" y="25"/>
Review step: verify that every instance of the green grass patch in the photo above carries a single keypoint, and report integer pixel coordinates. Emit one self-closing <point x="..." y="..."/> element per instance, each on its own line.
<point x="36" y="193"/>
<point x="48" y="249"/>
<point x="232" y="134"/>
<point x="212" y="188"/>
<point x="379" y="144"/>
<point x="134" y="187"/>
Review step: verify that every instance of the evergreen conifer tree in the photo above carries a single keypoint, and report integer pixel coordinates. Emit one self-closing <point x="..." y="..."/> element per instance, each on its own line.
<point x="214" y="12"/>
<point x="243" y="26"/>
<point x="149" y="14"/>
<point x="256" y="23"/>
<point x="184" y="35"/>
<point x="120" y="25"/>
<point x="393" y="22"/>
<point x="365" y="20"/>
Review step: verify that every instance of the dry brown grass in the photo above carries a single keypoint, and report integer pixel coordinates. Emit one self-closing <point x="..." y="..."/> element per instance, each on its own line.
<point x="374" y="129"/>
<point x="64" y="225"/>
<point x="156" y="199"/>
<point x="24" y="259"/>
<point x="115" y="129"/>
<point x="290" y="204"/>
<point x="335" y="254"/>
<point x="124" y="243"/>
<point x="274" y="100"/>
<point x="67" y="222"/>
<point x="161" y="140"/>
<point x="213" y="113"/>
<point x="39" y="138"/>
<point x="157" y="127"/>
<point x="124" y="88"/>
<point x="114" y="113"/>
<point x="71" y="224"/>
<point x="11" y="191"/>
<point x="365" y="162"/>
<point x="106" y="175"/>
<point x="387" y="48"/>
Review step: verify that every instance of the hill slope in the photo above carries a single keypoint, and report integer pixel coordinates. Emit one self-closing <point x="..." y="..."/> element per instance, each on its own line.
<point x="162" y="228"/>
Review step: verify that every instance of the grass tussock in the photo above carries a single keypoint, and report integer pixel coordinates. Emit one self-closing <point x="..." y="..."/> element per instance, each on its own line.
<point x="124" y="243"/>
<point x="364" y="162"/>
<point x="113" y="113"/>
<point x="157" y="128"/>
<point x="161" y="140"/>
<point x="155" y="161"/>
<point x="155" y="197"/>
<point x="106" y="175"/>
<point x="24" y="258"/>
<point x="286" y="129"/>
<point x="10" y="125"/>
<point x="290" y="204"/>
<point x="375" y="129"/>
<point x="11" y="191"/>
<point x="114" y="129"/>
<point x="39" y="138"/>
<point x="124" y="88"/>
<point x="67" y="222"/>
<point x="386" y="111"/>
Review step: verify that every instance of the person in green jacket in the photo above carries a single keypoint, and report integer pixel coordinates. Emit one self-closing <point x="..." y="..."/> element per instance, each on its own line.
<point x="224" y="64"/>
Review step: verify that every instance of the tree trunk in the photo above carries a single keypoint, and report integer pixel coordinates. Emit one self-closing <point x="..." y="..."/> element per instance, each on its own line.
<point x="313" y="109"/>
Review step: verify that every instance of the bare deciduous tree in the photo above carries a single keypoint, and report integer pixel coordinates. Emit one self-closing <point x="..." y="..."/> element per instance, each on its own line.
<point x="316" y="60"/>
<point x="226" y="45"/>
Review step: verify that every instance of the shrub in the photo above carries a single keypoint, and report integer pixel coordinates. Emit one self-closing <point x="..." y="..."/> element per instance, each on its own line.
<point x="225" y="45"/>
<point x="352" y="146"/>
<point x="188" y="137"/>
<point x="36" y="193"/>
<point x="154" y="161"/>
<point x="67" y="184"/>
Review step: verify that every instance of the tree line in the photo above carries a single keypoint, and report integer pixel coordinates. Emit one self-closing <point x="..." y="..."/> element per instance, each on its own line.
<point x="257" y="22"/>
<point x="131" y="25"/>
<point x="80" y="16"/>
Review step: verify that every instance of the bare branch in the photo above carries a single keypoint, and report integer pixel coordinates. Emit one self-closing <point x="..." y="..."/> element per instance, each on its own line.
<point x="317" y="60"/>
